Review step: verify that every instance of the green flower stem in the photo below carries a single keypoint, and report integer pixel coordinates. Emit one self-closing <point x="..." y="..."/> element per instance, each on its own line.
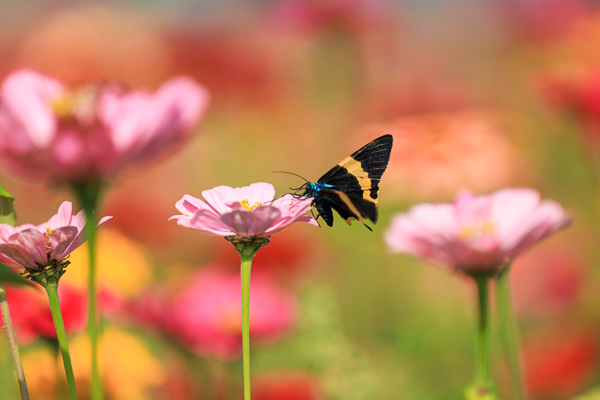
<point x="12" y="341"/>
<point x="89" y="197"/>
<point x="93" y="301"/>
<point x="482" y="365"/>
<point x="247" y="249"/>
<point x="61" y="335"/>
<point x="245" y="273"/>
<point x="509" y="332"/>
<point x="482" y="388"/>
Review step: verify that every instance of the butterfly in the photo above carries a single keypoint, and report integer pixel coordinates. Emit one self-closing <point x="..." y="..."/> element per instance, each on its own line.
<point x="351" y="187"/>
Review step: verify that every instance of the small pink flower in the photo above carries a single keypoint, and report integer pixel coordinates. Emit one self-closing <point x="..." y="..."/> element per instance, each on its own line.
<point x="92" y="132"/>
<point x="476" y="233"/>
<point x="36" y="246"/>
<point x="207" y="315"/>
<point x="245" y="212"/>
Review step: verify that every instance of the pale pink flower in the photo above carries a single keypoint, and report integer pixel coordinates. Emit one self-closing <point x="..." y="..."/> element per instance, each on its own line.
<point x="36" y="246"/>
<point x="476" y="233"/>
<point x="245" y="212"/>
<point x="50" y="131"/>
<point x="207" y="316"/>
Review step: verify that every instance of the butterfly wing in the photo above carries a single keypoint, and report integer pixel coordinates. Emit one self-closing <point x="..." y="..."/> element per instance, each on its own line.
<point x="359" y="173"/>
<point x="350" y="207"/>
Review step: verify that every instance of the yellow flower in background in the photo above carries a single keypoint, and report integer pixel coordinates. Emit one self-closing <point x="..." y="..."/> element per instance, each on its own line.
<point x="128" y="367"/>
<point x="41" y="369"/>
<point x="123" y="264"/>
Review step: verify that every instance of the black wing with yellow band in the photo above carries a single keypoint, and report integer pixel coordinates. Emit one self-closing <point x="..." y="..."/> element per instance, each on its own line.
<point x="351" y="187"/>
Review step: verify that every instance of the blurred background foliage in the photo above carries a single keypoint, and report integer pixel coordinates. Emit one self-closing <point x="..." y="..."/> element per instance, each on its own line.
<point x="479" y="95"/>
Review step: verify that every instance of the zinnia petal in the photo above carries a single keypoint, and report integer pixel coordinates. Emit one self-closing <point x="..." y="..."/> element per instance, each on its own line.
<point x="60" y="239"/>
<point x="476" y="232"/>
<point x="15" y="255"/>
<point x="27" y="95"/>
<point x="35" y="244"/>
<point x="247" y="212"/>
<point x="61" y="218"/>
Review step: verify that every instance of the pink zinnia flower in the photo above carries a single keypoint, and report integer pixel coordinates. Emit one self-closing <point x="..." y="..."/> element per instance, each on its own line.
<point x="476" y="233"/>
<point x="37" y="246"/>
<point x="246" y="212"/>
<point x="207" y="315"/>
<point x="92" y="132"/>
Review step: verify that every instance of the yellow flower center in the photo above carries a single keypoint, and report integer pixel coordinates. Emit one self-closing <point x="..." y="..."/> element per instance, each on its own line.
<point x="79" y="104"/>
<point x="477" y="230"/>
<point x="247" y="205"/>
<point x="48" y="233"/>
<point x="63" y="106"/>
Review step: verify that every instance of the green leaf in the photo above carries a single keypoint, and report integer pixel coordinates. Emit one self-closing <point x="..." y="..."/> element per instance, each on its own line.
<point x="7" y="208"/>
<point x="9" y="216"/>
<point x="10" y="276"/>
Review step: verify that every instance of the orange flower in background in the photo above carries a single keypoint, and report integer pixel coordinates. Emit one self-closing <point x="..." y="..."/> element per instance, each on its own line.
<point x="90" y="42"/>
<point x="436" y="155"/>
<point x="542" y="19"/>
<point x="577" y="47"/>
<point x="129" y="368"/>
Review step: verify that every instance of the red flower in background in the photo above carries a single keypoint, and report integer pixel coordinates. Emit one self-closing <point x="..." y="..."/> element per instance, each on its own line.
<point x="558" y="364"/>
<point x="235" y="67"/>
<point x="290" y="258"/>
<point x="577" y="93"/>
<point x="205" y="315"/>
<point x="286" y="386"/>
<point x="31" y="315"/>
<point x="315" y="16"/>
<point x="548" y="281"/>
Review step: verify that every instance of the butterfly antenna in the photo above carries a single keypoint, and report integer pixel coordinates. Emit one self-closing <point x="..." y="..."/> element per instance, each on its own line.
<point x="299" y="176"/>
<point x="290" y="173"/>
